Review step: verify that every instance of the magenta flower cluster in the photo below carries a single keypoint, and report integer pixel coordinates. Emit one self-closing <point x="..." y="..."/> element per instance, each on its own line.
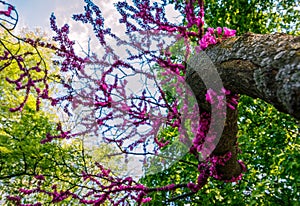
<point x="214" y="36"/>
<point x="8" y="11"/>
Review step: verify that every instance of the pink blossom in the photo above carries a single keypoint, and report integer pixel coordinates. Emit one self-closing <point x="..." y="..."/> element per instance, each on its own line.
<point x="208" y="39"/>
<point x="225" y="91"/>
<point x="8" y="12"/>
<point x="230" y="106"/>
<point x="170" y="187"/>
<point x="228" y="32"/>
<point x="219" y="31"/>
<point x="103" y="86"/>
<point x="101" y="104"/>
<point x="203" y="44"/>
<point x="160" y="144"/>
<point x="210" y="94"/>
<point x="147" y="199"/>
<point x="193" y="187"/>
<point x="139" y="186"/>
<point x="212" y="40"/>
<point x="39" y="177"/>
<point x="211" y="30"/>
<point x="27" y="192"/>
<point x="105" y="172"/>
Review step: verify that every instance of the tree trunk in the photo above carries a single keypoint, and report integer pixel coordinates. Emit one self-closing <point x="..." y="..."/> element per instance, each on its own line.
<point x="265" y="66"/>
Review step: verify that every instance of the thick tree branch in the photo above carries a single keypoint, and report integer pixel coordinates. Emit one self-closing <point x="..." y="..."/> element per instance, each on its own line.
<point x="265" y="66"/>
<point x="260" y="66"/>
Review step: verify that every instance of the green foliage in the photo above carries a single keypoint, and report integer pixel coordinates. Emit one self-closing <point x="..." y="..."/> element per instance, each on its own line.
<point x="183" y="171"/>
<point x="272" y="153"/>
<point x="168" y="154"/>
<point x="22" y="156"/>
<point x="108" y="156"/>
<point x="270" y="146"/>
<point x="32" y="57"/>
<point x="256" y="16"/>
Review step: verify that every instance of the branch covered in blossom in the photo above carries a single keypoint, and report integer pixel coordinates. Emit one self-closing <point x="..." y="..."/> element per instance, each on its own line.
<point x="131" y="120"/>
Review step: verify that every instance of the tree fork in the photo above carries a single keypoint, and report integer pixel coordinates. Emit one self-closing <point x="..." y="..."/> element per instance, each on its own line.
<point x="265" y="66"/>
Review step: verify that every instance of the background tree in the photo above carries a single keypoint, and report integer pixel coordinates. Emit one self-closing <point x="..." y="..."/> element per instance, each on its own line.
<point x="256" y="129"/>
<point x="24" y="160"/>
<point x="255" y="16"/>
<point x="23" y="157"/>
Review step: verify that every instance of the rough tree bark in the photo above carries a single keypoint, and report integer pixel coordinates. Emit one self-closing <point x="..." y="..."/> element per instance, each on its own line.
<point x="260" y="66"/>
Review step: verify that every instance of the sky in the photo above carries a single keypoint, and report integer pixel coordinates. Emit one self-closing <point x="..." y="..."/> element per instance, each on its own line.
<point x="36" y="14"/>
